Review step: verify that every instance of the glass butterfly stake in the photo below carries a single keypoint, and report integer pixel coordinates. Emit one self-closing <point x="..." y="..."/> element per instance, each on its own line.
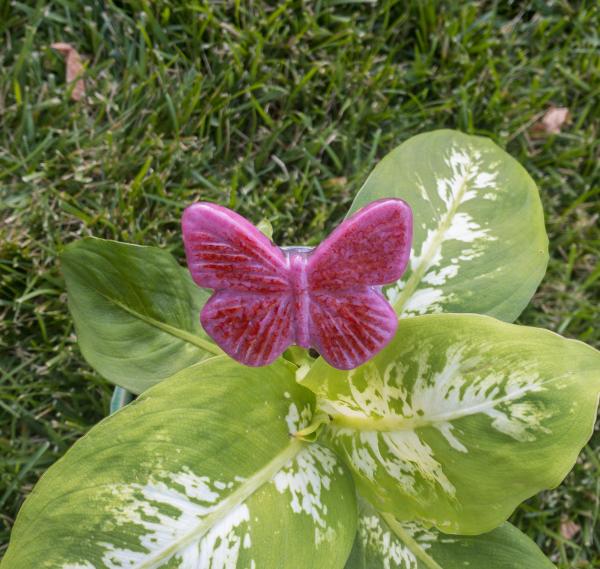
<point x="267" y="298"/>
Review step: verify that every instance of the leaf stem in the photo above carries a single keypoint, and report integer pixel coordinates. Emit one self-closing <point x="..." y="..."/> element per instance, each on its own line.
<point x="411" y="543"/>
<point x="119" y="399"/>
<point x="415" y="278"/>
<point x="243" y="492"/>
<point x="177" y="332"/>
<point x="310" y="433"/>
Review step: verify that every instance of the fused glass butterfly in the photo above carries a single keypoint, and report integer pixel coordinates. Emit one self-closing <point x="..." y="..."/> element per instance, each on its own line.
<point x="267" y="298"/>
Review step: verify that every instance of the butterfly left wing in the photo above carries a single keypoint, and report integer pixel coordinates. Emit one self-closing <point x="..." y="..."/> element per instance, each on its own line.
<point x="349" y="328"/>
<point x="350" y="321"/>
<point x="225" y="251"/>
<point x="253" y="329"/>
<point x="249" y="316"/>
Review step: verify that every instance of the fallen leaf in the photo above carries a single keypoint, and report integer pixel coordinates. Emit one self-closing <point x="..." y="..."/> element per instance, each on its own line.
<point x="74" y="68"/>
<point x="569" y="529"/>
<point x="552" y="121"/>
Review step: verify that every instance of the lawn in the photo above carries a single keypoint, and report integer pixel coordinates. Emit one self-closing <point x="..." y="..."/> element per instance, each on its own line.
<point x="278" y="110"/>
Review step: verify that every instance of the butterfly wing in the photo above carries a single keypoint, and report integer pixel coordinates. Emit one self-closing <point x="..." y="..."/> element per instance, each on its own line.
<point x="250" y="314"/>
<point x="370" y="248"/>
<point x="225" y="251"/>
<point x="253" y="329"/>
<point x="349" y="328"/>
<point x="350" y="321"/>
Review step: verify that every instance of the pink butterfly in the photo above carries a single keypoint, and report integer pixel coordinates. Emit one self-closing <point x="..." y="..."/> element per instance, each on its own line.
<point x="267" y="298"/>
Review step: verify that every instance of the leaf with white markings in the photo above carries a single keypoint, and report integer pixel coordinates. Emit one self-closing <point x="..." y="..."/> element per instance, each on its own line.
<point x="136" y="311"/>
<point x="200" y="471"/>
<point x="461" y="417"/>
<point x="479" y="240"/>
<point x="384" y="543"/>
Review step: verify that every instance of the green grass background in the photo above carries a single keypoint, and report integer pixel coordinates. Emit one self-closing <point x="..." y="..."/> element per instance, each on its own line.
<point x="279" y="110"/>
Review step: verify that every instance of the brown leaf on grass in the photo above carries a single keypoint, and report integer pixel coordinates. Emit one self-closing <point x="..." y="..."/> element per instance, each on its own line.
<point x="552" y="121"/>
<point x="74" y="68"/>
<point x="569" y="529"/>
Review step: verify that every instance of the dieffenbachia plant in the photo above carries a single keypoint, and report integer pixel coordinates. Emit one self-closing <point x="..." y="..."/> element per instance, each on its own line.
<point x="414" y="460"/>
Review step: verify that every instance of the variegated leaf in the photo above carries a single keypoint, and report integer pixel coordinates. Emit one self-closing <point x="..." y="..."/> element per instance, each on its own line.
<point x="384" y="543"/>
<point x="479" y="240"/>
<point x="136" y="311"/>
<point x="461" y="417"/>
<point x="200" y="471"/>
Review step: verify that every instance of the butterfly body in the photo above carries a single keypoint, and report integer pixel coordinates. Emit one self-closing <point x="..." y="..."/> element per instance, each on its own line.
<point x="299" y="291"/>
<point x="267" y="298"/>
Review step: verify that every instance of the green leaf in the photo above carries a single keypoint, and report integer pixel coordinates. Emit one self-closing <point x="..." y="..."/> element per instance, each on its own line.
<point x="265" y="227"/>
<point x="136" y="311"/>
<point x="390" y="544"/>
<point x="200" y="471"/>
<point x="461" y="417"/>
<point x="479" y="240"/>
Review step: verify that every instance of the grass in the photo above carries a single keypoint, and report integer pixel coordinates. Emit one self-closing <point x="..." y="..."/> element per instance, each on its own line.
<point x="279" y="111"/>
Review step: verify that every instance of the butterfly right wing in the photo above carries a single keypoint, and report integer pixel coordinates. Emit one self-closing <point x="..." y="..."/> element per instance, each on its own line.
<point x="349" y="327"/>
<point x="225" y="251"/>
<point x="370" y="248"/>
<point x="350" y="320"/>
<point x="253" y="329"/>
